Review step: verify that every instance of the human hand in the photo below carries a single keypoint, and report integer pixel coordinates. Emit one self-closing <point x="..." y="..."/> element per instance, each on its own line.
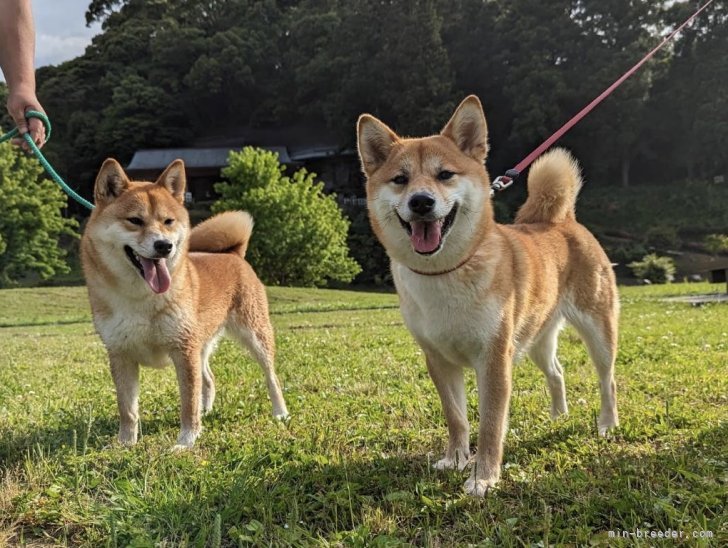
<point x="21" y="100"/>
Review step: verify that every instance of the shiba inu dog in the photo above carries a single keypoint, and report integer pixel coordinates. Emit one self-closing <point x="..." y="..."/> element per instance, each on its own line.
<point x="478" y="294"/>
<point x="160" y="291"/>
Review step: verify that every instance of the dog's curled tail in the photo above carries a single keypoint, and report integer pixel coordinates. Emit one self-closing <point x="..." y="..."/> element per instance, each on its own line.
<point x="227" y="232"/>
<point x="553" y="184"/>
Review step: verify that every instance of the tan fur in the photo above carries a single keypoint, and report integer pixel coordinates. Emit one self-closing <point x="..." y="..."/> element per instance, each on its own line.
<point x="212" y="289"/>
<point x="490" y="293"/>
<point x="553" y="184"/>
<point x="227" y="232"/>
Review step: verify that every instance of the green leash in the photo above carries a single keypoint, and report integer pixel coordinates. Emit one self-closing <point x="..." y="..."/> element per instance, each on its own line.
<point x="42" y="159"/>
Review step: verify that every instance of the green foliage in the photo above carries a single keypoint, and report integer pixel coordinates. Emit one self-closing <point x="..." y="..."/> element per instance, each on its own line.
<point x="688" y="126"/>
<point x="30" y="220"/>
<point x="690" y="208"/>
<point x="662" y="237"/>
<point x="716" y="243"/>
<point x="656" y="269"/>
<point x="353" y="467"/>
<point x="626" y="253"/>
<point x="148" y="118"/>
<point x="300" y="233"/>
<point x="382" y="71"/>
<point x="366" y="249"/>
<point x="165" y="73"/>
<point x="614" y="34"/>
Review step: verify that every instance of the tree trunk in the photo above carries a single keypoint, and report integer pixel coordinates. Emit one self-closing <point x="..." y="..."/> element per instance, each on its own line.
<point x="625" y="170"/>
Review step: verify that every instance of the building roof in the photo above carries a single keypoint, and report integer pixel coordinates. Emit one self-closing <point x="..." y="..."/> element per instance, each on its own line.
<point x="194" y="158"/>
<point x="301" y="143"/>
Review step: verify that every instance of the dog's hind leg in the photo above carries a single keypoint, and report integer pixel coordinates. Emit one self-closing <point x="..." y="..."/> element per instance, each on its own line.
<point x="125" y="373"/>
<point x="259" y="342"/>
<point x="450" y="386"/>
<point x="543" y="354"/>
<point x="600" y="336"/>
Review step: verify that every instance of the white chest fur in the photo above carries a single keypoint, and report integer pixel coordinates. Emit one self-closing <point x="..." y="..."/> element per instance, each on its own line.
<point x="143" y="330"/>
<point x="457" y="320"/>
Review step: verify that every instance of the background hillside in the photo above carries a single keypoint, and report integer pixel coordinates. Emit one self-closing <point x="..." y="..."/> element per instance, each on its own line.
<point x="167" y="74"/>
<point x="164" y="72"/>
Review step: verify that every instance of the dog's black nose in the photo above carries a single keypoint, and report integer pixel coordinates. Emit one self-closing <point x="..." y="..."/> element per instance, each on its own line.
<point x="163" y="247"/>
<point x="422" y="203"/>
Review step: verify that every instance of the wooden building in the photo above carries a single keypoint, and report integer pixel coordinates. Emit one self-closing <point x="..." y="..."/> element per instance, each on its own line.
<point x="317" y="150"/>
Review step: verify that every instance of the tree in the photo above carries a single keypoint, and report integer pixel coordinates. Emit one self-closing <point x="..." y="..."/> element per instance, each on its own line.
<point x="536" y="62"/>
<point x="30" y="220"/>
<point x="688" y="122"/>
<point x="614" y="35"/>
<point x="159" y="74"/>
<point x="99" y="10"/>
<point x="300" y="233"/>
<point x="386" y="57"/>
<point x="165" y="73"/>
<point x="366" y="249"/>
<point x="560" y="56"/>
<point x="141" y="114"/>
<point x="478" y="53"/>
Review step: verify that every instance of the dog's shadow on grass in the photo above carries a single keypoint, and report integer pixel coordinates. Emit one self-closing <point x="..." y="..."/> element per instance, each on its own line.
<point x="299" y="493"/>
<point x="288" y="492"/>
<point x="74" y="434"/>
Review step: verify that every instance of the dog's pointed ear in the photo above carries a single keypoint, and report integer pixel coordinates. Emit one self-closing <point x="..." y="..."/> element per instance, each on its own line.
<point x="375" y="141"/>
<point x="174" y="180"/>
<point x="467" y="128"/>
<point x="111" y="182"/>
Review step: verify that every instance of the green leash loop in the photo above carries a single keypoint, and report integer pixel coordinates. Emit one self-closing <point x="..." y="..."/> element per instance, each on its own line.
<point x="42" y="159"/>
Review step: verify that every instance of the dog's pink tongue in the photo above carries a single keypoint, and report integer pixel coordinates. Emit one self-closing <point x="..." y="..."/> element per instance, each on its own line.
<point x="156" y="274"/>
<point x="426" y="235"/>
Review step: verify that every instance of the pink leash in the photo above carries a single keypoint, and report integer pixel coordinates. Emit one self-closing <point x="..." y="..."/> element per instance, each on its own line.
<point x="504" y="181"/>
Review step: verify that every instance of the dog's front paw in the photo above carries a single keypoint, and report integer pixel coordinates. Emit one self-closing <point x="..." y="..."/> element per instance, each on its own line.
<point x="479" y="487"/>
<point x="459" y="462"/>
<point x="280" y="411"/>
<point x="127" y="438"/>
<point x="281" y="416"/>
<point x="558" y="411"/>
<point x="186" y="440"/>
<point x="482" y="480"/>
<point x="606" y="424"/>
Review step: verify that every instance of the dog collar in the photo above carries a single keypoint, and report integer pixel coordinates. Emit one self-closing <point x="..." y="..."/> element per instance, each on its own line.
<point x="442" y="272"/>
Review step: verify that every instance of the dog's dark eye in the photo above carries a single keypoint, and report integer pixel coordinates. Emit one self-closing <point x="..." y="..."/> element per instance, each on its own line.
<point x="135" y="221"/>
<point x="168" y="222"/>
<point x="400" y="180"/>
<point x="444" y="175"/>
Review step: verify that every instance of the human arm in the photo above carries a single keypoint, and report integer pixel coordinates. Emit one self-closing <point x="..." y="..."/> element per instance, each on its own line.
<point x="17" y="51"/>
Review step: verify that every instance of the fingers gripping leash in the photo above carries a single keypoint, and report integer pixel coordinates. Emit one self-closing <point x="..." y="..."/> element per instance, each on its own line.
<point x="42" y="159"/>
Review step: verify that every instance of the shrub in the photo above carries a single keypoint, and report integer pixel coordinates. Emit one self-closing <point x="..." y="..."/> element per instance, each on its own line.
<point x="30" y="220"/>
<point x="366" y="249"/>
<point x="662" y="237"/>
<point x="716" y="243"/>
<point x="624" y="254"/>
<point x="300" y="233"/>
<point x="656" y="269"/>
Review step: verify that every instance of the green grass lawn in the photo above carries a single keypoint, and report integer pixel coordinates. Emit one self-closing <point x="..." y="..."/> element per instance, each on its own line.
<point x="353" y="465"/>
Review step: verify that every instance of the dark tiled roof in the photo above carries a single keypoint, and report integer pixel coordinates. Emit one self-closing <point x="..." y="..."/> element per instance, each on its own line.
<point x="158" y="159"/>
